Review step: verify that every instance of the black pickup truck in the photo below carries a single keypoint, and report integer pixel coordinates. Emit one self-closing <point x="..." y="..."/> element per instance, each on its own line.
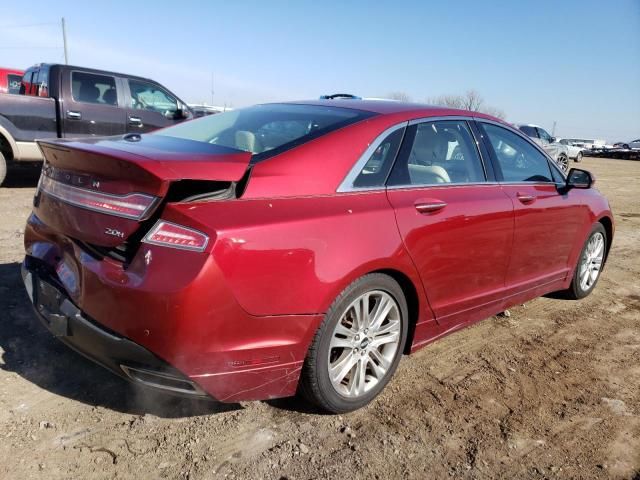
<point x="57" y="101"/>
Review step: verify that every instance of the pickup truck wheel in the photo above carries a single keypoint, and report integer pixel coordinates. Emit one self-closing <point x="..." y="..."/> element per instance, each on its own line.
<point x="579" y="157"/>
<point x="3" y="168"/>
<point x="563" y="162"/>
<point x="358" y="346"/>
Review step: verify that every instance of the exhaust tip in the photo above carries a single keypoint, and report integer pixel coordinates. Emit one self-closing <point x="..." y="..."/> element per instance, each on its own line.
<point x="162" y="381"/>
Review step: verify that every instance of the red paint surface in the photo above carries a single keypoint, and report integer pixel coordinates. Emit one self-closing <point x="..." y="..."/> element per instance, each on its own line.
<point x="238" y="318"/>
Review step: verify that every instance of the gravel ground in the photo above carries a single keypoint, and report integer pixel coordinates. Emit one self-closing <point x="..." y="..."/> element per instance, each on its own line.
<point x="551" y="392"/>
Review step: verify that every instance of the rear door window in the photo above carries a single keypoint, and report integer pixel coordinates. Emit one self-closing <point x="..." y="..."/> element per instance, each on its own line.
<point x="518" y="159"/>
<point x="93" y="88"/>
<point x="442" y="152"/>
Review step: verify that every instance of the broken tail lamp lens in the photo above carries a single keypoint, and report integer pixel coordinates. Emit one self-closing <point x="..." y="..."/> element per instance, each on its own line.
<point x="136" y="206"/>
<point x="167" y="234"/>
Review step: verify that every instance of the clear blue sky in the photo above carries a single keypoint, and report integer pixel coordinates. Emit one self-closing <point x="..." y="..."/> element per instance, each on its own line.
<point x="576" y="62"/>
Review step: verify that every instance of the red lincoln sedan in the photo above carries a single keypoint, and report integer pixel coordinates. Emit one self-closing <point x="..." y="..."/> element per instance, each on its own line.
<point x="300" y="247"/>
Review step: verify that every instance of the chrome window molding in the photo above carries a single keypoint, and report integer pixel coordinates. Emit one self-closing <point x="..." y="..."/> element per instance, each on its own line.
<point x="347" y="183"/>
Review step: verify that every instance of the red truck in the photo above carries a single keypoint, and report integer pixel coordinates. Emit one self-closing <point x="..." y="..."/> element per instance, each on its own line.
<point x="10" y="79"/>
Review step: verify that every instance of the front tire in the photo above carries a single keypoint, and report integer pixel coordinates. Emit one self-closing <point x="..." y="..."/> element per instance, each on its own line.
<point x="590" y="264"/>
<point x="579" y="157"/>
<point x="358" y="346"/>
<point x="563" y="162"/>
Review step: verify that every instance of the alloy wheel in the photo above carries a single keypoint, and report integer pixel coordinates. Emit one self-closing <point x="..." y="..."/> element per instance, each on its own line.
<point x="364" y="343"/>
<point x="563" y="163"/>
<point x="591" y="261"/>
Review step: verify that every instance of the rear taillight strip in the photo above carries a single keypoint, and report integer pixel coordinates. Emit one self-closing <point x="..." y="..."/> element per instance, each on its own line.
<point x="136" y="206"/>
<point x="168" y="234"/>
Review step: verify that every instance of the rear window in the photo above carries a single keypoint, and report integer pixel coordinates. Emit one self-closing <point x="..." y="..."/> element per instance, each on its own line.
<point x="266" y="130"/>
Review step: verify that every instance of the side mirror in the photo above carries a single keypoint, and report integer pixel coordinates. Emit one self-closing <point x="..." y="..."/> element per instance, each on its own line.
<point x="552" y="140"/>
<point x="578" y="178"/>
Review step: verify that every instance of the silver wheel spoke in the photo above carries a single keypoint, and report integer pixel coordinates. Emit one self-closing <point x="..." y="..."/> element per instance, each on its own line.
<point x="380" y="314"/>
<point x="364" y="343"/>
<point x="379" y="363"/>
<point x="591" y="262"/>
<point x="384" y="339"/>
<point x="343" y="367"/>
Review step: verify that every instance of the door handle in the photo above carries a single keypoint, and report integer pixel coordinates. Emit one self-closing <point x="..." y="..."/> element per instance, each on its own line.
<point x="135" y="121"/>
<point x="429" y="206"/>
<point x="74" y="115"/>
<point x="525" y="197"/>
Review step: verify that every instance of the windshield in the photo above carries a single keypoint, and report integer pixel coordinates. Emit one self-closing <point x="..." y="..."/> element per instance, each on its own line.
<point x="266" y="130"/>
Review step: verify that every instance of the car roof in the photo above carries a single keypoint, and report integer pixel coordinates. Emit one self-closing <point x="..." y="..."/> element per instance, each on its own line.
<point x="386" y="107"/>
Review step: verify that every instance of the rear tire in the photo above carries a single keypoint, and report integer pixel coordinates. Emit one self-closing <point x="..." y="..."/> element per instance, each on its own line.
<point x="358" y="346"/>
<point x="579" y="157"/>
<point x="590" y="263"/>
<point x="3" y="168"/>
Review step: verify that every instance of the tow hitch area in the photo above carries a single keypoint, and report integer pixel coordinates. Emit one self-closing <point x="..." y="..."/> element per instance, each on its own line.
<point x="122" y="356"/>
<point x="52" y="305"/>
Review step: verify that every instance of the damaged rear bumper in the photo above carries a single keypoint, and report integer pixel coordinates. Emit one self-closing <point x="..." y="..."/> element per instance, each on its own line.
<point x="75" y="329"/>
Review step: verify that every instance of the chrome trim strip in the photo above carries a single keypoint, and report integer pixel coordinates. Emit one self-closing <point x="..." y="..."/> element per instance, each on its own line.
<point x="347" y="183"/>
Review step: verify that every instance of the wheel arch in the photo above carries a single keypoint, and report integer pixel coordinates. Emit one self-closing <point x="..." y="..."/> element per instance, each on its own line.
<point x="607" y="223"/>
<point x="413" y="302"/>
<point x="7" y="144"/>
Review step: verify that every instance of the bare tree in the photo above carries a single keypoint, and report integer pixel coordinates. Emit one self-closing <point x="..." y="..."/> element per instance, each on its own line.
<point x="471" y="100"/>
<point x="400" y="96"/>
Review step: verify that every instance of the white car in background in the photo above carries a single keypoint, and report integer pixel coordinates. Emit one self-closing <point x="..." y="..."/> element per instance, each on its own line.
<point x="574" y="148"/>
<point x="557" y="151"/>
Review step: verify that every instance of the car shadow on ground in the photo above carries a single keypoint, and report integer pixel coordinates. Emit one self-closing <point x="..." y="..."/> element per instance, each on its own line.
<point x="34" y="354"/>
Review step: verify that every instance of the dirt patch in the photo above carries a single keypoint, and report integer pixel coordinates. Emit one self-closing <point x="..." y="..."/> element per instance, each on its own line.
<point x="551" y="392"/>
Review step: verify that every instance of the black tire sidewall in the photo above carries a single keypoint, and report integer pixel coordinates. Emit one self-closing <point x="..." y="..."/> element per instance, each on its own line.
<point x="577" y="289"/>
<point x="3" y="169"/>
<point x="328" y="398"/>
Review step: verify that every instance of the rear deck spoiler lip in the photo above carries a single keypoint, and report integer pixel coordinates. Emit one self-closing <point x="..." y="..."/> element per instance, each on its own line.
<point x="225" y="165"/>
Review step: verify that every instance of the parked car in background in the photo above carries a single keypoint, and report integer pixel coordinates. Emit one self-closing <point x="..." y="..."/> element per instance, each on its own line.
<point x="300" y="246"/>
<point x="633" y="144"/>
<point x="10" y="80"/>
<point x="557" y="151"/>
<point x="59" y="101"/>
<point x="574" y="149"/>
<point x="202" y="110"/>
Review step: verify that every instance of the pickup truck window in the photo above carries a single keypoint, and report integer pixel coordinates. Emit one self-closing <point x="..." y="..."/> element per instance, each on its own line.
<point x="147" y="96"/>
<point x="92" y="88"/>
